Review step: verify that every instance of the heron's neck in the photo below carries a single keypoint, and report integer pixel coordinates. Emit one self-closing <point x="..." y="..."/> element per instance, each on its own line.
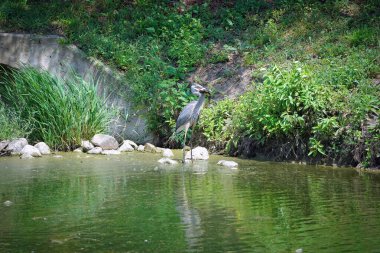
<point x="200" y="102"/>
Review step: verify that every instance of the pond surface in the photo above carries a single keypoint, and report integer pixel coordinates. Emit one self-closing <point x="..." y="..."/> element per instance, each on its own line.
<point x="129" y="203"/>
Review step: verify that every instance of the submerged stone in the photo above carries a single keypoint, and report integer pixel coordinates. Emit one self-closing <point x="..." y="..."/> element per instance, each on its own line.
<point x="26" y="156"/>
<point x="8" y="203"/>
<point x="167" y="161"/>
<point x="229" y="164"/>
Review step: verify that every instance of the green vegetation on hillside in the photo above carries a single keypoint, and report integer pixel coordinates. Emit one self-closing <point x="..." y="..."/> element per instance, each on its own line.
<point x="315" y="64"/>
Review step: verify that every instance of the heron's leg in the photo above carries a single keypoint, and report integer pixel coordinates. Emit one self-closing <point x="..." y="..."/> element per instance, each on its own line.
<point x="184" y="144"/>
<point x="191" y="143"/>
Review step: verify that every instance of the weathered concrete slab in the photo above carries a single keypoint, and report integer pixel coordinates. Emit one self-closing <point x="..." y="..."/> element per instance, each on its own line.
<point x="46" y="52"/>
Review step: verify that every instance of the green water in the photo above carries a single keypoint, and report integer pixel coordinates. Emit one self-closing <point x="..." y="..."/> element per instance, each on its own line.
<point x="129" y="203"/>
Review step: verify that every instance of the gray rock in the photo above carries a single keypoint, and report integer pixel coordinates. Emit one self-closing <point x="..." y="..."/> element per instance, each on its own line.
<point x="111" y="152"/>
<point x="15" y="146"/>
<point x="299" y="250"/>
<point x="43" y="148"/>
<point x="167" y="153"/>
<point x="86" y="145"/>
<point x="133" y="144"/>
<point x="106" y="142"/>
<point x="140" y="148"/>
<point x="199" y="153"/>
<point x="26" y="156"/>
<point x="148" y="147"/>
<point x="30" y="150"/>
<point x="229" y="164"/>
<point x="95" y="151"/>
<point x="126" y="147"/>
<point x="3" y="145"/>
<point x="8" y="203"/>
<point x="167" y="161"/>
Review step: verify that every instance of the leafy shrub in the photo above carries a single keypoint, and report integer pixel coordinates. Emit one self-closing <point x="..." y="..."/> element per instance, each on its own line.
<point x="186" y="46"/>
<point x="61" y="113"/>
<point x="216" y="121"/>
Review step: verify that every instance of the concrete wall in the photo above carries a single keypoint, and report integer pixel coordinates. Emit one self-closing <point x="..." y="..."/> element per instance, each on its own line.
<point x="45" y="52"/>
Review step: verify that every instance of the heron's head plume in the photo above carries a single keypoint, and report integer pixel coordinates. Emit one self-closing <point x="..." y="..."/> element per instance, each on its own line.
<point x="198" y="89"/>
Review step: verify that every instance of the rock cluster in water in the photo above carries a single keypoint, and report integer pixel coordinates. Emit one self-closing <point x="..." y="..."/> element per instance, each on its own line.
<point x="21" y="147"/>
<point x="105" y="145"/>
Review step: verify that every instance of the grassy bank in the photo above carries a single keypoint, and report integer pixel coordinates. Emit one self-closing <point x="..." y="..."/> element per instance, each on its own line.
<point x="42" y="107"/>
<point x="315" y="67"/>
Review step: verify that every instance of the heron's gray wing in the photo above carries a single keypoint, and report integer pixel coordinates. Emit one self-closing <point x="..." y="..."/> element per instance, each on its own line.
<point x="185" y="115"/>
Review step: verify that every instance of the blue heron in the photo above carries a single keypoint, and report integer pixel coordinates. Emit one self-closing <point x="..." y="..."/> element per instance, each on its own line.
<point x="189" y="115"/>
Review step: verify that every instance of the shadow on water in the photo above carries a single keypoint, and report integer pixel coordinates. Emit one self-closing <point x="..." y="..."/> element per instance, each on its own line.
<point x="129" y="203"/>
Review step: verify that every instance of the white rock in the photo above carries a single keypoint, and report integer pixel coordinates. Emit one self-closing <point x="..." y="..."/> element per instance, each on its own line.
<point x="111" y="152"/>
<point x="78" y="150"/>
<point x="8" y="203"/>
<point x="140" y="148"/>
<point x="133" y="144"/>
<point x="43" y="148"/>
<point x="106" y="142"/>
<point x="229" y="164"/>
<point x="57" y="156"/>
<point x="15" y="146"/>
<point x="126" y="147"/>
<point x="199" y="153"/>
<point x="30" y="150"/>
<point x="299" y="250"/>
<point x="167" y="161"/>
<point x="86" y="145"/>
<point x="167" y="153"/>
<point x="26" y="156"/>
<point x="148" y="147"/>
<point x="95" y="151"/>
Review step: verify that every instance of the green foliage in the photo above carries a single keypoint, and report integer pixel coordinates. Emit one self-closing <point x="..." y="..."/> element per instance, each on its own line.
<point x="366" y="36"/>
<point x="319" y="105"/>
<point x="216" y="121"/>
<point x="61" y="113"/>
<point x="186" y="47"/>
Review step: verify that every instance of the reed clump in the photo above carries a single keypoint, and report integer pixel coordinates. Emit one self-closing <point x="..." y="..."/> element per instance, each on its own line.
<point x="60" y="112"/>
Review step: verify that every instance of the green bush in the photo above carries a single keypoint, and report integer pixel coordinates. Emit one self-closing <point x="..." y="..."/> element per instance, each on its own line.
<point x="61" y="113"/>
<point x="215" y="121"/>
<point x="186" y="47"/>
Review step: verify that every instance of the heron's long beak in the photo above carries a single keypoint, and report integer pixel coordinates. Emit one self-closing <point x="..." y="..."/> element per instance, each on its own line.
<point x="205" y="90"/>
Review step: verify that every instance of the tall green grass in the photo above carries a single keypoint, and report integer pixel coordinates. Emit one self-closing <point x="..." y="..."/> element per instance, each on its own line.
<point x="12" y="126"/>
<point x="60" y="112"/>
